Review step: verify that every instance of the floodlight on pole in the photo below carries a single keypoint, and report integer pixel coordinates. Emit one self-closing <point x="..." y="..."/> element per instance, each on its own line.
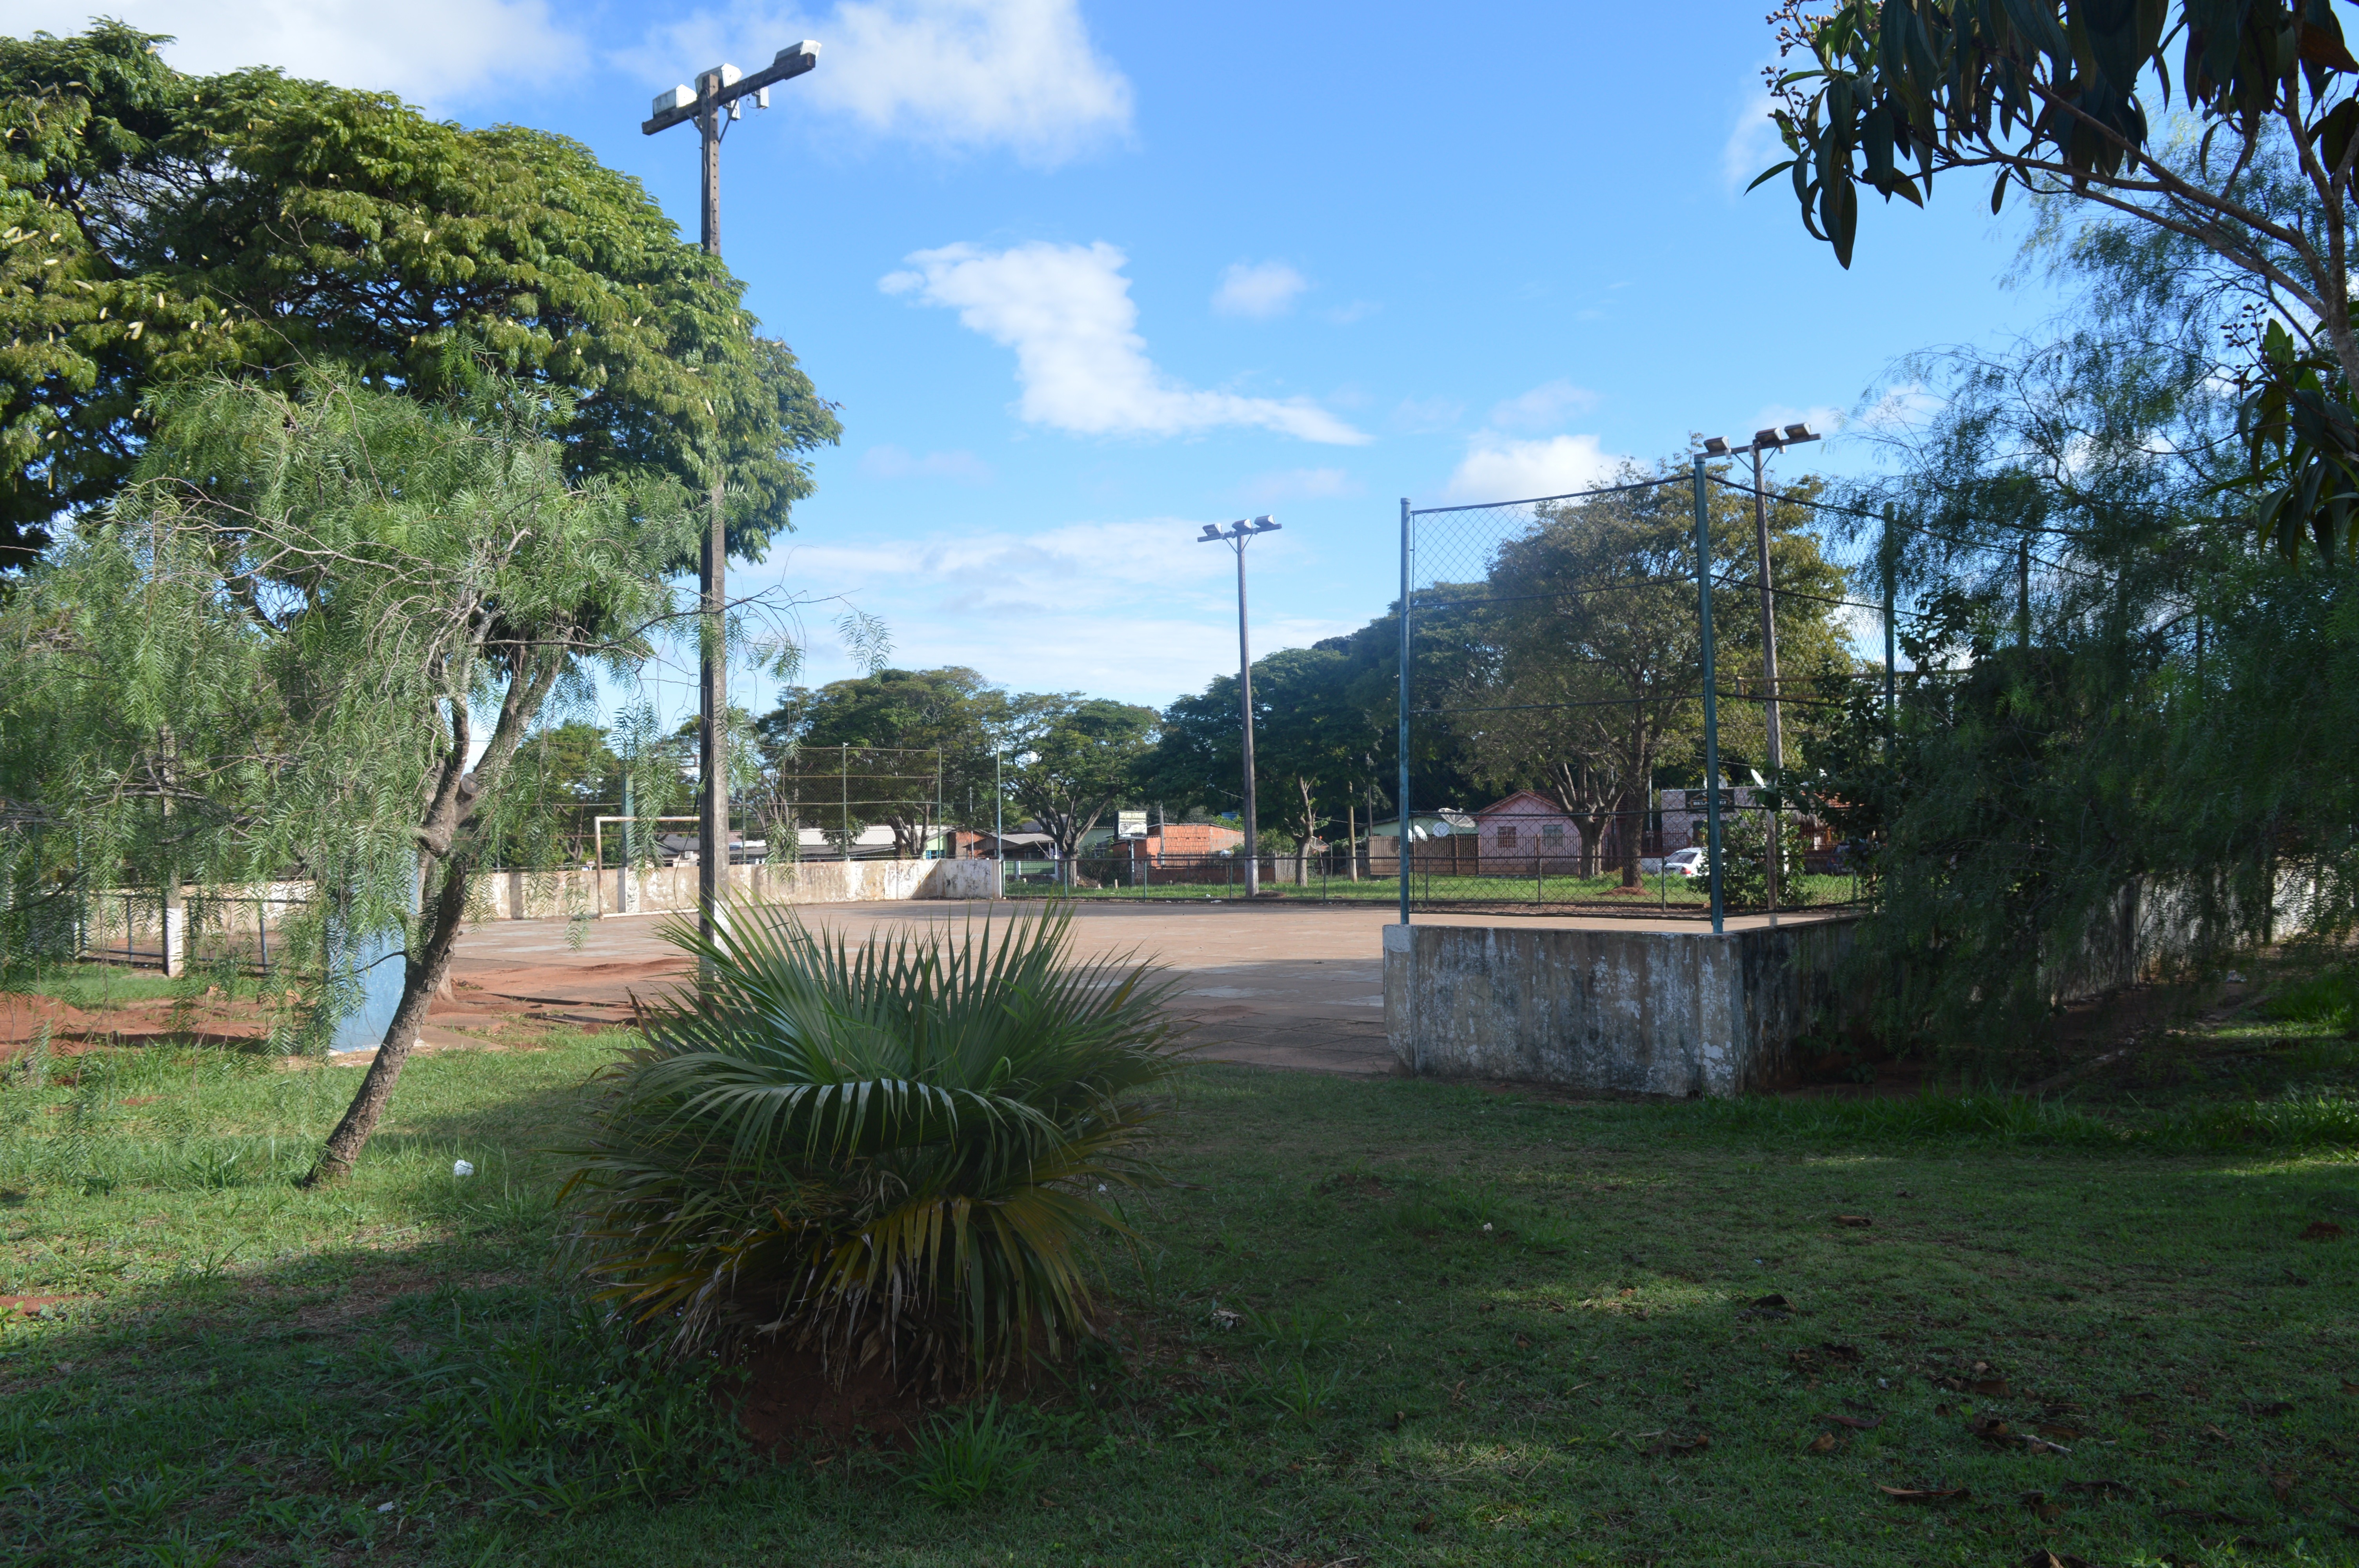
<point x="1765" y="441"/>
<point x="1236" y="536"/>
<point x="715" y="100"/>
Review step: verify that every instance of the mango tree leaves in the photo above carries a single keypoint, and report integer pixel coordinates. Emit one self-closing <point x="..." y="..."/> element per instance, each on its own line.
<point x="157" y="227"/>
<point x="2046" y="94"/>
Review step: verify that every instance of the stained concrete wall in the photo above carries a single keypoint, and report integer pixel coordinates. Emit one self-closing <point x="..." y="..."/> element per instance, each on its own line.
<point x="547" y="895"/>
<point x="117" y="918"/>
<point x="1663" y="1013"/>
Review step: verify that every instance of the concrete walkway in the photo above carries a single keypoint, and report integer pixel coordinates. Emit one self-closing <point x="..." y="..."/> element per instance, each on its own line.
<point x="1275" y="985"/>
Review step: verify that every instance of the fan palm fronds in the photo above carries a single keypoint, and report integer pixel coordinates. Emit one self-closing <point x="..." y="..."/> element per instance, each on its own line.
<point x="891" y="1151"/>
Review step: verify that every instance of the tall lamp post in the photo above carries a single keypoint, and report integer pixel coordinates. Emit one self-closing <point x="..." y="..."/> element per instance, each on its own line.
<point x="715" y="100"/>
<point x="1763" y="443"/>
<point x="1236" y="536"/>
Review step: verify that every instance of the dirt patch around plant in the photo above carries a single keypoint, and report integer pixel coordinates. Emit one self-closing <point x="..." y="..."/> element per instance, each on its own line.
<point x="787" y="1400"/>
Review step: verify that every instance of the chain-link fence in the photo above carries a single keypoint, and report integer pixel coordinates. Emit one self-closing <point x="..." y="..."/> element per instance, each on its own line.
<point x="1620" y="686"/>
<point x="860" y="802"/>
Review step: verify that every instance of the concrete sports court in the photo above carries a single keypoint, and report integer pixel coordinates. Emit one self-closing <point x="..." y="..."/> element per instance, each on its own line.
<point x="1275" y="985"/>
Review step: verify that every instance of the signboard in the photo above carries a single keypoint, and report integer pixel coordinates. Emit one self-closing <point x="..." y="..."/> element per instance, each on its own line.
<point x="1130" y="825"/>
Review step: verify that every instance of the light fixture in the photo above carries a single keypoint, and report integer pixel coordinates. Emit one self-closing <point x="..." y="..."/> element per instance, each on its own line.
<point x="1767" y="438"/>
<point x="1800" y="433"/>
<point x="1211" y="530"/>
<point x="1265" y="525"/>
<point x="1717" y="445"/>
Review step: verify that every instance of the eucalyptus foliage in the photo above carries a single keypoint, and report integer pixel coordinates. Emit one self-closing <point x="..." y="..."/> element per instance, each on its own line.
<point x="2113" y="711"/>
<point x="157" y="226"/>
<point x="895" y="1154"/>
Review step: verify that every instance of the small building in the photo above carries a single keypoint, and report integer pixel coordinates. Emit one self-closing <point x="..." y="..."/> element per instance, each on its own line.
<point x="1527" y="834"/>
<point x="1180" y="839"/>
<point x="1441" y="842"/>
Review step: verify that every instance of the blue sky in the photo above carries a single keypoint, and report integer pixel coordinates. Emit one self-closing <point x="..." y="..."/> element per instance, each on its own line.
<point x="1084" y="276"/>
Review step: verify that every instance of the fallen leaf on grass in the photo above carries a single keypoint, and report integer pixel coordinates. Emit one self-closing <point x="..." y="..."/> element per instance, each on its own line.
<point x="1424" y="1525"/>
<point x="2059" y="1431"/>
<point x="2280" y="1486"/>
<point x="1522" y="1344"/>
<point x="2042" y="1558"/>
<point x="1853" y="1221"/>
<point x="1673" y="1448"/>
<point x="2275" y="1407"/>
<point x="1856" y="1422"/>
<point x="1989" y="1388"/>
<point x="1825" y="1443"/>
<point x="2212" y="1432"/>
<point x="2046" y="1508"/>
<point x="1840" y="1352"/>
<point x="2121" y="1487"/>
<point x="2322" y="1230"/>
<point x="1914" y="1495"/>
<point x="1990" y="1429"/>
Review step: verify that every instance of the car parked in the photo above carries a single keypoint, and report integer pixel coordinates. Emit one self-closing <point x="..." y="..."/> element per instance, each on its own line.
<point x="1687" y="862"/>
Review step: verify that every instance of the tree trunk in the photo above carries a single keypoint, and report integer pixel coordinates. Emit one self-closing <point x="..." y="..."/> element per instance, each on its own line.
<point x="1628" y="846"/>
<point x="422" y="976"/>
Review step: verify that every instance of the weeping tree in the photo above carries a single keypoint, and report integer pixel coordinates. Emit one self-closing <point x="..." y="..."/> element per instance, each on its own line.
<point x="310" y="634"/>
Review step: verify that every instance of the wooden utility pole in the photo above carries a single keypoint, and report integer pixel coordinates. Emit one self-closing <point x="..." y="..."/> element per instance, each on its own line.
<point x="715" y="101"/>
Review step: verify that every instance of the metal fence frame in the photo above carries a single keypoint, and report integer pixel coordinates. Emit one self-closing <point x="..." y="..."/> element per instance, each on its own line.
<point x="1715" y="789"/>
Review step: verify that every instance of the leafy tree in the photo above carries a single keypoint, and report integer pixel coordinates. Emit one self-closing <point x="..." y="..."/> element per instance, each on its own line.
<point x="1313" y="743"/>
<point x="276" y="654"/>
<point x="2168" y="720"/>
<point x="157" y="226"/>
<point x="2045" y="95"/>
<point x="1198" y="761"/>
<point x="1079" y="758"/>
<point x="953" y="712"/>
<point x="1588" y="670"/>
<point x="560" y="776"/>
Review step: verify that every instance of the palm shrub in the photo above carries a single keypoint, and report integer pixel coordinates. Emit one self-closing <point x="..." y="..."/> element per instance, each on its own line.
<point x="893" y="1153"/>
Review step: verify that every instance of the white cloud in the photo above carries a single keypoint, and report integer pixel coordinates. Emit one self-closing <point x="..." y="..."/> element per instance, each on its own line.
<point x="1426" y="416"/>
<point x="1551" y="403"/>
<point x="1299" y="484"/>
<point x="1002" y="603"/>
<point x="954" y="74"/>
<point x="1258" y="289"/>
<point x="1753" y="145"/>
<point x="1498" y="468"/>
<point x="1067" y="312"/>
<point x="430" y="52"/>
<point x="893" y="462"/>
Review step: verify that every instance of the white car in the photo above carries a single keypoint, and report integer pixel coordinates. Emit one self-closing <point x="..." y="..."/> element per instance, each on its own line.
<point x="1687" y="862"/>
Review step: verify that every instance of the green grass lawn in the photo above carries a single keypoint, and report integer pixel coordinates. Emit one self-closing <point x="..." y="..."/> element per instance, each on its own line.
<point x="1378" y="1323"/>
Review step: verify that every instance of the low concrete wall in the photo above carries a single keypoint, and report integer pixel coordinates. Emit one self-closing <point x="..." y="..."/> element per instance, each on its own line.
<point x="118" y="917"/>
<point x="557" y="895"/>
<point x="1663" y="1013"/>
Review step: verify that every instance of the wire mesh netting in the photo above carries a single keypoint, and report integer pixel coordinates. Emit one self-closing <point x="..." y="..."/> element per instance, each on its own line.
<point x="849" y="802"/>
<point x="1572" y="693"/>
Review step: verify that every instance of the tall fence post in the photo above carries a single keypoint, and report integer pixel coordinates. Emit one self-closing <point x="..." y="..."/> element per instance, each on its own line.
<point x="1400" y="805"/>
<point x="1887" y="559"/>
<point x="2023" y="593"/>
<point x="1710" y="698"/>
